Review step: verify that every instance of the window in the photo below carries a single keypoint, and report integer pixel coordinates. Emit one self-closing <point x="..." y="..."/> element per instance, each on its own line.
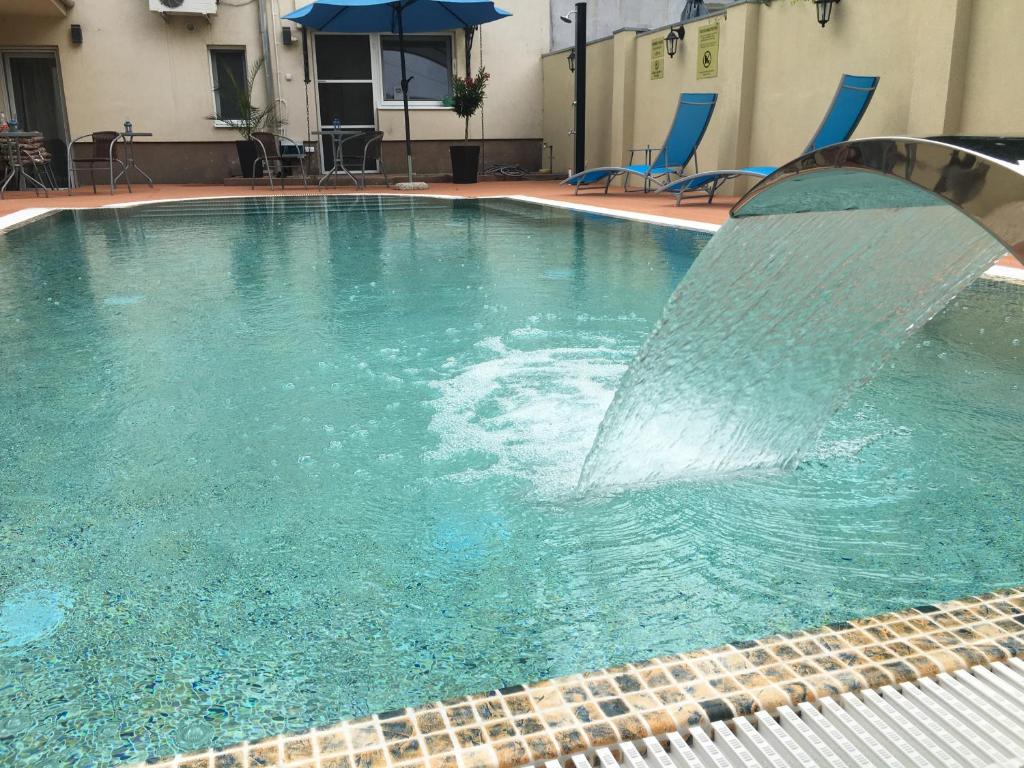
<point x="345" y="80"/>
<point x="229" y="78"/>
<point x="428" y="62"/>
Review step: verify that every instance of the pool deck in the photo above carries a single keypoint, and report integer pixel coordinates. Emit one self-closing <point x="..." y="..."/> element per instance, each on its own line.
<point x="636" y="203"/>
<point x="525" y="724"/>
<point x="18" y="207"/>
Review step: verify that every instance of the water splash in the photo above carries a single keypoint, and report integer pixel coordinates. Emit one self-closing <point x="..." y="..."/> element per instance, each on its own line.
<point x="780" y="319"/>
<point x="505" y="411"/>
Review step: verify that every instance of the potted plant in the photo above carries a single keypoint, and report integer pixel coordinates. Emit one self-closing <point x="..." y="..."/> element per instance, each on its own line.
<point x="467" y="96"/>
<point x="251" y="118"/>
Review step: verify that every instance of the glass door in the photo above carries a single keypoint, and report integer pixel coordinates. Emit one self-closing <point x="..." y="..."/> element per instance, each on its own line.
<point x="35" y="97"/>
<point x="344" y="83"/>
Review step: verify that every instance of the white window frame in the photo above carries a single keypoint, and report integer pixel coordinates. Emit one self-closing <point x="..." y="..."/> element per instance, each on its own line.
<point x="377" y="54"/>
<point x="217" y="122"/>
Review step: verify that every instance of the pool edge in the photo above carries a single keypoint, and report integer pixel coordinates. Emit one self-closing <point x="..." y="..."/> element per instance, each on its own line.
<point x="529" y="723"/>
<point x="25" y="216"/>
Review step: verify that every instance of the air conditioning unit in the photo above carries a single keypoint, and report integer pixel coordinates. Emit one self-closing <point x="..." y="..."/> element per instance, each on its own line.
<point x="184" y="7"/>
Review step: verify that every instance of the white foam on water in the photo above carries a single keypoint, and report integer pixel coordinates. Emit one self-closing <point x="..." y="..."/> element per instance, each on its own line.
<point x="533" y="413"/>
<point x="30" y="613"/>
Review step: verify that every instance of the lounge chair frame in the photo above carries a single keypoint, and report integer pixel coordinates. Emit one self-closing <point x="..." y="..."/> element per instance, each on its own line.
<point x="690" y="187"/>
<point x="661" y="167"/>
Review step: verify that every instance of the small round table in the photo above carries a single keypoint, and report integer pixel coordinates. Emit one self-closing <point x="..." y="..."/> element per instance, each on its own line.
<point x="338" y="136"/>
<point x="128" y="139"/>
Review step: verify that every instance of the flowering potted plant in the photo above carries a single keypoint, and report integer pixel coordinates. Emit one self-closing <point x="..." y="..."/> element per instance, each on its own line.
<point x="467" y="96"/>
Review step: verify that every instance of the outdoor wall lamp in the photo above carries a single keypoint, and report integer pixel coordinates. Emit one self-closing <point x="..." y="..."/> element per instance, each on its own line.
<point x="76" y="34"/>
<point x="824" y="8"/>
<point x="672" y="40"/>
<point x="572" y="60"/>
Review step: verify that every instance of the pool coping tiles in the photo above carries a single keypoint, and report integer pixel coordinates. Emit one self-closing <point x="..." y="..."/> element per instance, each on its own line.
<point x="524" y="724"/>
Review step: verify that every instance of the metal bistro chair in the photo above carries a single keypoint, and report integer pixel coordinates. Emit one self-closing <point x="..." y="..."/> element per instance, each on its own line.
<point x="371" y="153"/>
<point x="104" y="152"/>
<point x="274" y="160"/>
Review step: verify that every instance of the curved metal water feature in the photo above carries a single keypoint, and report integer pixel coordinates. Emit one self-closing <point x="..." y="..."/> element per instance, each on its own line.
<point x="988" y="190"/>
<point x="823" y="270"/>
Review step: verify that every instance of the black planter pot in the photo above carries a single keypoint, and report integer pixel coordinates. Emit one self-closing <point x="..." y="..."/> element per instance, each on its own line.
<point x="249" y="155"/>
<point x="465" y="163"/>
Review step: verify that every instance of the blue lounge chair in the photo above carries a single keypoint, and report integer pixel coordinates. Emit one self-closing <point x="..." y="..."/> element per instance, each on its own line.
<point x="691" y="121"/>
<point x="848" y="106"/>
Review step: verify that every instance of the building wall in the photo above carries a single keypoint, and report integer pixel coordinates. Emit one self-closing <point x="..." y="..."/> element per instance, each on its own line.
<point x="557" y="110"/>
<point x="946" y="66"/>
<point x="135" y="65"/>
<point x="993" y="100"/>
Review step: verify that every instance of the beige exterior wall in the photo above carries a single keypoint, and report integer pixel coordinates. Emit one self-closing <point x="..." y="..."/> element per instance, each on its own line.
<point x="994" y="73"/>
<point x="134" y="64"/>
<point x="946" y="66"/>
<point x="557" y="110"/>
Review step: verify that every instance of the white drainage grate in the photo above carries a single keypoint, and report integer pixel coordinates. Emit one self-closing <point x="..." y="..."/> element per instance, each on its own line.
<point x="969" y="719"/>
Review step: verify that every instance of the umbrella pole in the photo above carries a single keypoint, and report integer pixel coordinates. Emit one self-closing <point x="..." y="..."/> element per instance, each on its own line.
<point x="405" y="93"/>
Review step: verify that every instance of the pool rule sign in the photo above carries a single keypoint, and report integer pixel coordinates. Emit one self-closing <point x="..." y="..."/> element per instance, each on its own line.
<point x="657" y="59"/>
<point x="707" y="51"/>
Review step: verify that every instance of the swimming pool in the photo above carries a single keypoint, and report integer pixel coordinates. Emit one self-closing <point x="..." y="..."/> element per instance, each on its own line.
<point x="271" y="463"/>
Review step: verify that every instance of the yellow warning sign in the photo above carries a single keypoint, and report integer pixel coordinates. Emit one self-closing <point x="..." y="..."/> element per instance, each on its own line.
<point x="657" y="59"/>
<point x="707" y="51"/>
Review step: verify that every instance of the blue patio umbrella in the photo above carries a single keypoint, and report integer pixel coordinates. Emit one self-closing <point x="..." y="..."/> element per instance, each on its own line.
<point x="396" y="17"/>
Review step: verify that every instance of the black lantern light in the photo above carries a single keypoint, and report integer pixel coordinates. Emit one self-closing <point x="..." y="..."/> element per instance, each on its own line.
<point x="672" y="40"/>
<point x="572" y="60"/>
<point x="824" y="9"/>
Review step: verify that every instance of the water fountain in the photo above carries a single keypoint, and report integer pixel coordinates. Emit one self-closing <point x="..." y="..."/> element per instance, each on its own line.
<point x="821" y="273"/>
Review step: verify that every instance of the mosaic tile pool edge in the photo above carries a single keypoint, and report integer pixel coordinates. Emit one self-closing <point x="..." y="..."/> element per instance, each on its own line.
<point x="523" y="724"/>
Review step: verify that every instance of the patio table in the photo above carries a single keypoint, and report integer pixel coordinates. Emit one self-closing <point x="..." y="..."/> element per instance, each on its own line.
<point x="338" y="137"/>
<point x="127" y="138"/>
<point x="11" y="141"/>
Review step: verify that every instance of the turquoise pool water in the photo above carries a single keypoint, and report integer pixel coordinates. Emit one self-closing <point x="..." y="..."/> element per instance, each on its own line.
<point x="267" y="464"/>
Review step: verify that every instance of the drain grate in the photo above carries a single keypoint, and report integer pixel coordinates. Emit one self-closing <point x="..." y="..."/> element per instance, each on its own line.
<point x="970" y="718"/>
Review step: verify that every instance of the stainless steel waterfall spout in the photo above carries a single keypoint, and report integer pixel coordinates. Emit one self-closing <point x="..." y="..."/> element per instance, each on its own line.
<point x="896" y="172"/>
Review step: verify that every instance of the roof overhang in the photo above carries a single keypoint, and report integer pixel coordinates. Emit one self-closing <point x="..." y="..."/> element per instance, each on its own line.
<point x="51" y="8"/>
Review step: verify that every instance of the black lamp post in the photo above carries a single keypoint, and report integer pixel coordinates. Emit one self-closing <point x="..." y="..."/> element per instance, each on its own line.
<point x="824" y="9"/>
<point x="572" y="60"/>
<point x="672" y="40"/>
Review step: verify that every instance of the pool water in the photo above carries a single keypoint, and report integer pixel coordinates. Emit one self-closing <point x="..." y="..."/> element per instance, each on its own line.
<point x="267" y="464"/>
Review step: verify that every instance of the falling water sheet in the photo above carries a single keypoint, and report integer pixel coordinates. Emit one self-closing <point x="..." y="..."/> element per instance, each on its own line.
<point x="777" y="323"/>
